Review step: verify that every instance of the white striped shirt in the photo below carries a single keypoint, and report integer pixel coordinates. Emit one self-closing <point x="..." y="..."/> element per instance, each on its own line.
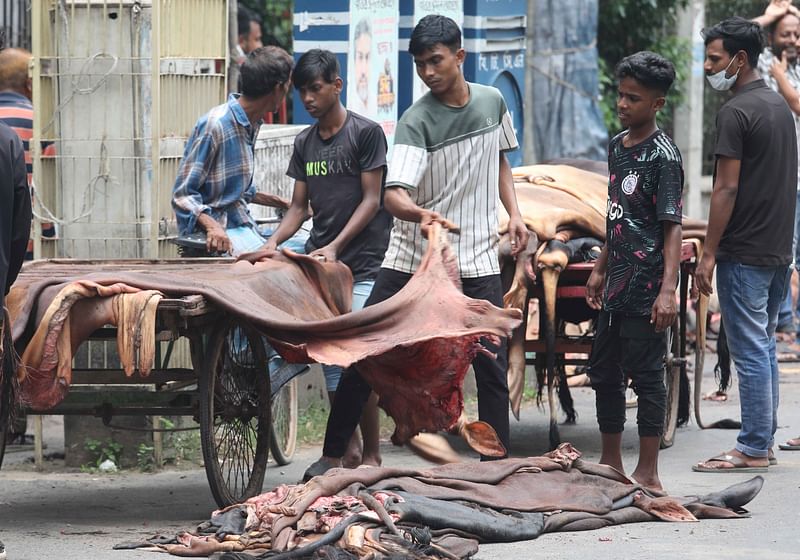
<point x="449" y="160"/>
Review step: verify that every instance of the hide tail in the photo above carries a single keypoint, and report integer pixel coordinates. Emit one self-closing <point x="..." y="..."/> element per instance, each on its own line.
<point x="550" y="284"/>
<point x="516" y="296"/>
<point x="722" y="371"/>
<point x="565" y="397"/>
<point x="516" y="364"/>
<point x="702" y="314"/>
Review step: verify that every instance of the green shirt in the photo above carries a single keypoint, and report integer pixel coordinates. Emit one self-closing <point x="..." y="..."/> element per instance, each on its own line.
<point x="449" y="160"/>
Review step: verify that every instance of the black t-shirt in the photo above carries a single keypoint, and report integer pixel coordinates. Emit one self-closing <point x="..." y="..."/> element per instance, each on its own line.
<point x="756" y="127"/>
<point x="645" y="184"/>
<point x="332" y="170"/>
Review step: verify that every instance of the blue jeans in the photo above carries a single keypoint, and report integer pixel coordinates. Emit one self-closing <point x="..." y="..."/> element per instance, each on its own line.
<point x="361" y="291"/>
<point x="296" y="243"/>
<point x="749" y="298"/>
<point x="786" y="322"/>
<point x="244" y="239"/>
<point x="795" y="247"/>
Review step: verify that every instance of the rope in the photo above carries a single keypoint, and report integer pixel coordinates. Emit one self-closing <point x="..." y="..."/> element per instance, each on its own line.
<point x="88" y="198"/>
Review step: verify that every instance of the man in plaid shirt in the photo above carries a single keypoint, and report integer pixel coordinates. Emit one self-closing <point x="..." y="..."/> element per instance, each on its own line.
<point x="215" y="179"/>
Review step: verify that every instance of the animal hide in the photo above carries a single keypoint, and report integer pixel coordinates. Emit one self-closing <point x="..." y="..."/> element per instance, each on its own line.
<point x="414" y="347"/>
<point x="502" y="501"/>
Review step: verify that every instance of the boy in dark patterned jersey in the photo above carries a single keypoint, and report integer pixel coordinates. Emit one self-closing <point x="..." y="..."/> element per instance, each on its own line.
<point x="633" y="282"/>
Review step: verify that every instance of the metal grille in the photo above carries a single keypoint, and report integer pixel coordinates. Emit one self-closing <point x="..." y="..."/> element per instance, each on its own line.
<point x="273" y="151"/>
<point x="15" y="21"/>
<point x="118" y="86"/>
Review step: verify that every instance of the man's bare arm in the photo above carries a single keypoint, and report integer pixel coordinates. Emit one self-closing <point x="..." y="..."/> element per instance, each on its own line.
<point x="271" y="200"/>
<point x="294" y="217"/>
<point x="723" y="199"/>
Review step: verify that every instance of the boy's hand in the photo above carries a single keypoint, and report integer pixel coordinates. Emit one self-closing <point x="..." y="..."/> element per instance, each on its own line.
<point x="269" y="247"/>
<point x="704" y="272"/>
<point x="428" y="217"/>
<point x="594" y="289"/>
<point x="664" y="311"/>
<point x="326" y="253"/>
<point x="518" y="232"/>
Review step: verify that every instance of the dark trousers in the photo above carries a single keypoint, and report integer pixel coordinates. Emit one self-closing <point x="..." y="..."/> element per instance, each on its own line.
<point x="490" y="375"/>
<point x="628" y="347"/>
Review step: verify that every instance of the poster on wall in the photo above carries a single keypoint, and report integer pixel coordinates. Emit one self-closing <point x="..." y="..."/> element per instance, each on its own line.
<point x="450" y="8"/>
<point x="372" y="63"/>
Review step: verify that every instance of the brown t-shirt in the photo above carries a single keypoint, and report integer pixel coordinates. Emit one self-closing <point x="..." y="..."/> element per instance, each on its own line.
<point x="756" y="127"/>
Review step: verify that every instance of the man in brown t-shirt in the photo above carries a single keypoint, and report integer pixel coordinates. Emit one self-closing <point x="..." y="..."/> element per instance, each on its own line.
<point x="750" y="227"/>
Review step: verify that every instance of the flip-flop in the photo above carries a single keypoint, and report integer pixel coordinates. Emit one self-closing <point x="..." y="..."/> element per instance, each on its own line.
<point x="785" y="357"/>
<point x="738" y="465"/>
<point x="789" y="447"/>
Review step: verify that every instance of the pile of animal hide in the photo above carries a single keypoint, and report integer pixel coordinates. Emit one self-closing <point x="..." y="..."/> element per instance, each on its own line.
<point x="442" y="512"/>
<point x="415" y="347"/>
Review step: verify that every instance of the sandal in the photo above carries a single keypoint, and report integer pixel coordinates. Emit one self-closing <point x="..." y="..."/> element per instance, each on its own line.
<point x="789" y="446"/>
<point x="739" y="465"/>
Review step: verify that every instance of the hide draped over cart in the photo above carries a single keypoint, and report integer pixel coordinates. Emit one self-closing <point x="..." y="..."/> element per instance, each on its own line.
<point x="415" y="347"/>
<point x="564" y="207"/>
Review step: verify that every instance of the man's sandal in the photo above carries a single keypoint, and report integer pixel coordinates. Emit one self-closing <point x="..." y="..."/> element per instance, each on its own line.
<point x="738" y="463"/>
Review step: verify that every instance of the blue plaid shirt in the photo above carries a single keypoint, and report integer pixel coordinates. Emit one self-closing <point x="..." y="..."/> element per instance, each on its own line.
<point x="216" y="173"/>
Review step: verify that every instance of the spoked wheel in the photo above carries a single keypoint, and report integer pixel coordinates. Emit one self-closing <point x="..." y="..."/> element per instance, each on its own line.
<point x="283" y="440"/>
<point x="674" y="364"/>
<point x="235" y="413"/>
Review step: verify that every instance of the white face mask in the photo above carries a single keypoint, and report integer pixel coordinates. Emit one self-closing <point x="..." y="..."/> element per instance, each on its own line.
<point x="720" y="81"/>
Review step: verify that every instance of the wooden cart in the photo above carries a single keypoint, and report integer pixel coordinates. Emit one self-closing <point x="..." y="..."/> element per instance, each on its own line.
<point x="555" y="349"/>
<point x="227" y="390"/>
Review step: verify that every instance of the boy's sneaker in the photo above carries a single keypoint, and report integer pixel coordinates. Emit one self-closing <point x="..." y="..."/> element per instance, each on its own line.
<point x="2" y="551"/>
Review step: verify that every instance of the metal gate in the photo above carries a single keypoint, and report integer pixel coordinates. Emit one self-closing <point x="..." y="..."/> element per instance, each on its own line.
<point x="118" y="86"/>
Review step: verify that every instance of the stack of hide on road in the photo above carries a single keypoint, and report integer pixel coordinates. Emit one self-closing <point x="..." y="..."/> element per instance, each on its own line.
<point x="564" y="207"/>
<point x="414" y="348"/>
<point x="442" y="512"/>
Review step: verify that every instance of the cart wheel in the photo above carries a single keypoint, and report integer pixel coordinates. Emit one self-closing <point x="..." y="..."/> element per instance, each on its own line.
<point x="235" y="414"/>
<point x="674" y="366"/>
<point x="283" y="439"/>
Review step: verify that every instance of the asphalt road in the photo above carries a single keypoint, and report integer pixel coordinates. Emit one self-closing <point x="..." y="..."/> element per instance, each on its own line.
<point x="59" y="515"/>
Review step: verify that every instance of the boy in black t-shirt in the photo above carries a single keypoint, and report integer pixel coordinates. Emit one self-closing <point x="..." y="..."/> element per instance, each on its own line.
<point x="339" y="166"/>
<point x="633" y="282"/>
